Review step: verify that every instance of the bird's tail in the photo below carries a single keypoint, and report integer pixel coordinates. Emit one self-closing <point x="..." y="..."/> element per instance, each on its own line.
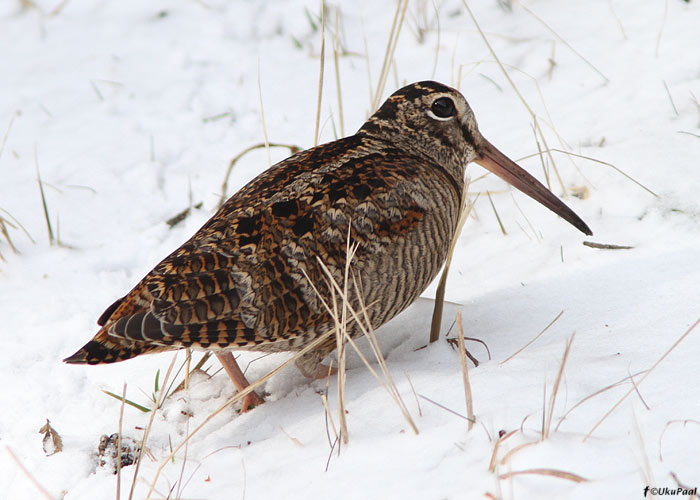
<point x="105" y="348"/>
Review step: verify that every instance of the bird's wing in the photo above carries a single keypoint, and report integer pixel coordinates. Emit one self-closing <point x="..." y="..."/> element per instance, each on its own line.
<point x="243" y="278"/>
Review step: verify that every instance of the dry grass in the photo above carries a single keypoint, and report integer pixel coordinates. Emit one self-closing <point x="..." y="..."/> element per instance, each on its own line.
<point x="533" y="340"/>
<point x="555" y="390"/>
<point x="559" y="474"/>
<point x="224" y="185"/>
<point x="52" y="239"/>
<point x="29" y="475"/>
<point x="320" y="72"/>
<point x="644" y="376"/>
<point x="465" y="373"/>
<point x="396" y="25"/>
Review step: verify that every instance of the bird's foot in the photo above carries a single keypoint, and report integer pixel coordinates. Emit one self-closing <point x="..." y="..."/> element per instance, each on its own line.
<point x="250" y="400"/>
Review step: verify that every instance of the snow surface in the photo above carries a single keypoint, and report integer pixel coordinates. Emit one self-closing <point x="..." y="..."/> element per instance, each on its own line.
<point x="133" y="111"/>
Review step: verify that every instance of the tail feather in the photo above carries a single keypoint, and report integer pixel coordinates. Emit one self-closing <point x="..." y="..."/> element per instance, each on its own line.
<point x="103" y="349"/>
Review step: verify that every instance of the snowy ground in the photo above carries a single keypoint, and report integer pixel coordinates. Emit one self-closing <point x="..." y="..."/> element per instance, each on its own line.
<point x="132" y="111"/>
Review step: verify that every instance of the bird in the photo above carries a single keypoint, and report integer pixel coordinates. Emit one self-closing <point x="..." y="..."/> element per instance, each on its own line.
<point x="251" y="277"/>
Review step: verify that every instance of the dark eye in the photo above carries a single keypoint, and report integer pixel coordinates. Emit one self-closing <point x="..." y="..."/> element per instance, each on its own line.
<point x="443" y="107"/>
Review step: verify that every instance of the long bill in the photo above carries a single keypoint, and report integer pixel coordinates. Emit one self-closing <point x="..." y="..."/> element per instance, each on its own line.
<point x="493" y="160"/>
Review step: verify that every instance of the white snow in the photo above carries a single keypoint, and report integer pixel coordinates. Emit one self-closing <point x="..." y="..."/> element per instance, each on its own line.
<point x="133" y="107"/>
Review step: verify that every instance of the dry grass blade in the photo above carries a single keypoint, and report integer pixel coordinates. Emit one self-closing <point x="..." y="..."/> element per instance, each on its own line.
<point x="390" y="48"/>
<point x="653" y="367"/>
<point x="224" y="185"/>
<point x="533" y="340"/>
<point x="119" y="443"/>
<point x="503" y="229"/>
<point x="465" y="210"/>
<point x="563" y="41"/>
<point x="337" y="78"/>
<point x="465" y="373"/>
<point x="517" y="92"/>
<point x="494" y="454"/>
<point x="52" y="240"/>
<point x="31" y="478"/>
<point x="320" y="71"/>
<point x="561" y="474"/>
<point x="262" y="119"/>
<point x="591" y="396"/>
<point x="365" y="326"/>
<point x="667" y="426"/>
<point x="555" y="390"/>
<point x="7" y="134"/>
<point x="159" y="403"/>
<point x="619" y="171"/>
<point x="443" y="407"/>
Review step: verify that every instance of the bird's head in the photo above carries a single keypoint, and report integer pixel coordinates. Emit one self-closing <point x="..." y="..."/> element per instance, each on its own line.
<point x="435" y="121"/>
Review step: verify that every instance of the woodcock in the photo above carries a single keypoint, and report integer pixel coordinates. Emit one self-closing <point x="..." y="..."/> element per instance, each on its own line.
<point x="245" y="280"/>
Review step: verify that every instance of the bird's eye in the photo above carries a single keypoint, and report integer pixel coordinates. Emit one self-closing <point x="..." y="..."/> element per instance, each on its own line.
<point x="443" y="107"/>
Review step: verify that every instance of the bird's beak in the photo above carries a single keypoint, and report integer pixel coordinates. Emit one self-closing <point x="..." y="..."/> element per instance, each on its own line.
<point x="493" y="160"/>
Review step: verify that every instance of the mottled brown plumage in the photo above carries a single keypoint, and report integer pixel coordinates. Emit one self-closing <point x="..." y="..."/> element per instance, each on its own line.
<point x="241" y="281"/>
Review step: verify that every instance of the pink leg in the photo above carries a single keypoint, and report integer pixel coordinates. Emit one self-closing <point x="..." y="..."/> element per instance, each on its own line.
<point x="250" y="400"/>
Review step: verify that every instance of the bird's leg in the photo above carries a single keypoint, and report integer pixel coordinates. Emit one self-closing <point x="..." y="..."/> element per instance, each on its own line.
<point x="250" y="400"/>
<point x="322" y="371"/>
